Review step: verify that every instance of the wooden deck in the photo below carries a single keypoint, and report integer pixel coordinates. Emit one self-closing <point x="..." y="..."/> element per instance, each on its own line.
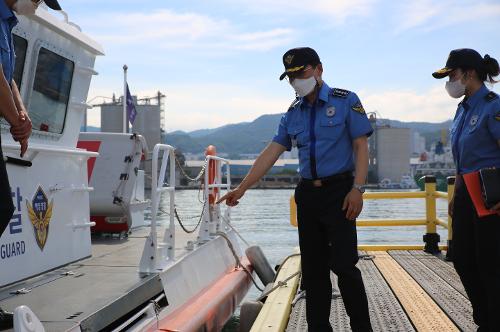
<point x="408" y="290"/>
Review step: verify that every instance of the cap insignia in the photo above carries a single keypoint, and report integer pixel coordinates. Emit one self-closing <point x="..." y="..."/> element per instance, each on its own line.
<point x="289" y="59"/>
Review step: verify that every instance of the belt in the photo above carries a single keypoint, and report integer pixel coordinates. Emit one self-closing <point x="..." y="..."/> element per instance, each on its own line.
<point x="321" y="182"/>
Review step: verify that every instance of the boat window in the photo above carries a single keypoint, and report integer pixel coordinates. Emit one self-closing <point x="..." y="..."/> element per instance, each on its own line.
<point x="51" y="88"/>
<point x="20" y="46"/>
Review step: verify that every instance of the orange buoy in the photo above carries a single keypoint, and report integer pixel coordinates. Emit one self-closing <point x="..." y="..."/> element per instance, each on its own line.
<point x="212" y="173"/>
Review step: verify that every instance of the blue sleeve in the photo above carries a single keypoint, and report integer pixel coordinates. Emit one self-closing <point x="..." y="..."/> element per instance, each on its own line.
<point x="494" y="122"/>
<point x="357" y="121"/>
<point x="281" y="137"/>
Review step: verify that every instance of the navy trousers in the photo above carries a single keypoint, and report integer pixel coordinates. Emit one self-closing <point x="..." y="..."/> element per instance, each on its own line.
<point x="476" y="257"/>
<point x="328" y="242"/>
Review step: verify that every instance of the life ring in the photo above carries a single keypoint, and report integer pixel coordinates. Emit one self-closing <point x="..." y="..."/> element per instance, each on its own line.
<point x="212" y="174"/>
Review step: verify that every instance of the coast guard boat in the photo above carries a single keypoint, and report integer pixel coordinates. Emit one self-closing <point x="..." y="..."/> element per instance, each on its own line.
<point x="54" y="275"/>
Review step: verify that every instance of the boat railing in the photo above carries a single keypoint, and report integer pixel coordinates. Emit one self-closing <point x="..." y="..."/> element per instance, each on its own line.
<point x="431" y="221"/>
<point x="157" y="256"/>
<point x="212" y="215"/>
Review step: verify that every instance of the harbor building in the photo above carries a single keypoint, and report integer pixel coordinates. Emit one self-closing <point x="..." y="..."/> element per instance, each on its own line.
<point x="389" y="154"/>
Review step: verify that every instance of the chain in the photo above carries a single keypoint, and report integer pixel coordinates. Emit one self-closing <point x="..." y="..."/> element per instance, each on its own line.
<point x="200" y="174"/>
<point x="176" y="213"/>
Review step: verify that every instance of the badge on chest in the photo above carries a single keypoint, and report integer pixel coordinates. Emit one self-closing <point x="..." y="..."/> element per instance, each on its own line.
<point x="330" y="111"/>
<point x="473" y="120"/>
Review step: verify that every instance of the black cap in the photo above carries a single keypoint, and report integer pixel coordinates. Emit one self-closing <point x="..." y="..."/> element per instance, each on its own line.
<point x="460" y="58"/>
<point x="298" y="58"/>
<point x="53" y="4"/>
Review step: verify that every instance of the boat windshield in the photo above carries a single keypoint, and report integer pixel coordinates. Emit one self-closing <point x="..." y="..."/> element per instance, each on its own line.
<point x="50" y="96"/>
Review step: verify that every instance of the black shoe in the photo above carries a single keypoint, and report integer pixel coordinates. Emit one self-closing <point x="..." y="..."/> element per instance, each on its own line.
<point x="6" y="320"/>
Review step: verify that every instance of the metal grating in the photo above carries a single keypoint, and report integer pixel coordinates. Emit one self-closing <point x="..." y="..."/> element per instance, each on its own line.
<point x="441" y="268"/>
<point x="424" y="313"/>
<point x="456" y="306"/>
<point x="386" y="314"/>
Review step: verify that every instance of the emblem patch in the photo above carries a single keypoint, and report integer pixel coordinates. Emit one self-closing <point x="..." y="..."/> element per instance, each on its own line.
<point x="473" y="120"/>
<point x="358" y="108"/>
<point x="330" y="111"/>
<point x="289" y="59"/>
<point x="40" y="213"/>
<point x="497" y="116"/>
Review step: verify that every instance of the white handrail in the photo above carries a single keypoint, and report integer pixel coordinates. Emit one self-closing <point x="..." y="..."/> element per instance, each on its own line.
<point x="156" y="256"/>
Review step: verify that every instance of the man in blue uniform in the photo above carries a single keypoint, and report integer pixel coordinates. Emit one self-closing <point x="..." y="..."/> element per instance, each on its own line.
<point x="11" y="106"/>
<point x="475" y="137"/>
<point x="330" y="129"/>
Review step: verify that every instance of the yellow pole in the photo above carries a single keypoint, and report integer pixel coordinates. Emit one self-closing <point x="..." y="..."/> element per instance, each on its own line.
<point x="431" y="238"/>
<point x="451" y="192"/>
<point x="293" y="212"/>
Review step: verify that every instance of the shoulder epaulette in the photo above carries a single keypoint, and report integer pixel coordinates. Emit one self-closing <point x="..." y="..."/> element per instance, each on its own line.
<point x="340" y="93"/>
<point x="293" y="104"/>
<point x="491" y="96"/>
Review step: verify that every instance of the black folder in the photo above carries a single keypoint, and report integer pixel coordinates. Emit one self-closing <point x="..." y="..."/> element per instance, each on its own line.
<point x="490" y="186"/>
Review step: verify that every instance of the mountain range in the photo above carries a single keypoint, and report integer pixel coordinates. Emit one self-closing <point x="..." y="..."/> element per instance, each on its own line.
<point x="252" y="137"/>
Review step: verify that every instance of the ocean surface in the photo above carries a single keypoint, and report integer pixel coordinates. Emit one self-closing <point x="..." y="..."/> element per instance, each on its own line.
<point x="263" y="219"/>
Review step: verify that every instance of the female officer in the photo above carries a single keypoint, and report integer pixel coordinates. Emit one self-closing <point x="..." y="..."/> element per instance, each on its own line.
<point x="475" y="137"/>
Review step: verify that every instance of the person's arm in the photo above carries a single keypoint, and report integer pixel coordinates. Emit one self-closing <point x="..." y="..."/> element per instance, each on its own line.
<point x="353" y="202"/>
<point x="23" y="130"/>
<point x="7" y="105"/>
<point x="262" y="164"/>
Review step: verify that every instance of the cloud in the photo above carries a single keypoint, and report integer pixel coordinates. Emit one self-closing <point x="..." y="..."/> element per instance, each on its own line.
<point x="431" y="15"/>
<point x="168" y="29"/>
<point x="336" y="12"/>
<point x="433" y="105"/>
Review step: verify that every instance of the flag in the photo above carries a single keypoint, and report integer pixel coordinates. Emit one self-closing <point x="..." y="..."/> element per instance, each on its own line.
<point x="131" y="111"/>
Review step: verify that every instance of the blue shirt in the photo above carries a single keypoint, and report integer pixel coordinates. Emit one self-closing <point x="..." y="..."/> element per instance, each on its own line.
<point x="323" y="132"/>
<point x="476" y="131"/>
<point x="7" y="56"/>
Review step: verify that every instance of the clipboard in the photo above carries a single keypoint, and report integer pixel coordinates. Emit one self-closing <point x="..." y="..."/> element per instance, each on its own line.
<point x="473" y="184"/>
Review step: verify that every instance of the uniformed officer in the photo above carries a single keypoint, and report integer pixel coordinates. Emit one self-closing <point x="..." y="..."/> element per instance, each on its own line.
<point x="11" y="106"/>
<point x="475" y="137"/>
<point x="328" y="126"/>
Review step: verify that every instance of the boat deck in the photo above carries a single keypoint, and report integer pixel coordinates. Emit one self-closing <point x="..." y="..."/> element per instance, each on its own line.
<point x="94" y="292"/>
<point x="408" y="290"/>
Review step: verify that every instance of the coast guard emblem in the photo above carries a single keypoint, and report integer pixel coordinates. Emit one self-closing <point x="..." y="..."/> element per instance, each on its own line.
<point x="330" y="111"/>
<point x="40" y="213"/>
<point x="473" y="120"/>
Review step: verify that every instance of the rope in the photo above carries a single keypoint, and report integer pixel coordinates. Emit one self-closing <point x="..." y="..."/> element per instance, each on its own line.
<point x="278" y="285"/>
<point x="234" y="229"/>
<point x="238" y="261"/>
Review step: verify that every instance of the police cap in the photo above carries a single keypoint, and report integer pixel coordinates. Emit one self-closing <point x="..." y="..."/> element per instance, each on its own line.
<point x="460" y="58"/>
<point x="296" y="60"/>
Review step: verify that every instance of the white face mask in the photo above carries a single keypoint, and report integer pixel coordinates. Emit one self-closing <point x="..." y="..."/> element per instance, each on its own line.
<point x="304" y="86"/>
<point x="456" y="89"/>
<point x="25" y="7"/>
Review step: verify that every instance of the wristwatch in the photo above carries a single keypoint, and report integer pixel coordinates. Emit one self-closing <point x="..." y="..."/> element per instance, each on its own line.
<point x="359" y="187"/>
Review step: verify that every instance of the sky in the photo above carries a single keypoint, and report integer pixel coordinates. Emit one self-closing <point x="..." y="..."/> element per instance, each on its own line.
<point x="218" y="61"/>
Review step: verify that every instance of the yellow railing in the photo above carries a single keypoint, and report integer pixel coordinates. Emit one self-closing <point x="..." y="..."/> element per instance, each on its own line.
<point x="431" y="221"/>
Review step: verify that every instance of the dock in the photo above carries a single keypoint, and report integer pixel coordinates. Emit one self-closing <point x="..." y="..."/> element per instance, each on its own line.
<point x="407" y="290"/>
<point x="409" y="287"/>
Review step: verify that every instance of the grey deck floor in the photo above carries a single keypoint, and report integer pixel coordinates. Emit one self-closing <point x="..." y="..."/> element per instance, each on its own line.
<point x="436" y="281"/>
<point x="95" y="291"/>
